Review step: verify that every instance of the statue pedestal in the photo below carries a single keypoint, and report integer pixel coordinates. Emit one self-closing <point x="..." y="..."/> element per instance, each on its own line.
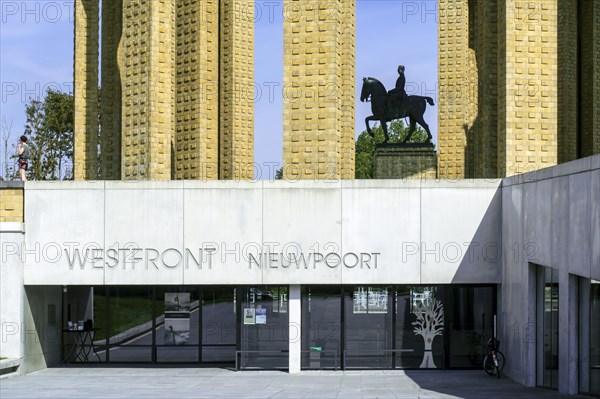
<point x="405" y="161"/>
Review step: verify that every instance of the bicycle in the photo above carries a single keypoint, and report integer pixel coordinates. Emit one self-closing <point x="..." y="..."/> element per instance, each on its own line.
<point x="493" y="363"/>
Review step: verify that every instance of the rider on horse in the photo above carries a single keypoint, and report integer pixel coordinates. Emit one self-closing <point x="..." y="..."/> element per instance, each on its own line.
<point x="397" y="94"/>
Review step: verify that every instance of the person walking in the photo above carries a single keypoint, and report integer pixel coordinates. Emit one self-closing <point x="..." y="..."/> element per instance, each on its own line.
<point x="23" y="152"/>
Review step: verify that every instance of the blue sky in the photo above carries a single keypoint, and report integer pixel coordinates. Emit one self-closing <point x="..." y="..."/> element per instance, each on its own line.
<point x="36" y="52"/>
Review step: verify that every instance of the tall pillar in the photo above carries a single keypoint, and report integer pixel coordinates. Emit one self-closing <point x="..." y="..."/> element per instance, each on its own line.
<point x="457" y="87"/>
<point x="347" y="90"/>
<point x="197" y="97"/>
<point x="567" y="81"/>
<point x="110" y="99"/>
<point x="148" y="81"/>
<point x="589" y="105"/>
<point x="236" y="134"/>
<point x="318" y="62"/>
<point x="483" y="136"/>
<point x="295" y="324"/>
<point x="596" y="103"/>
<point x="528" y="120"/>
<point x="85" y="151"/>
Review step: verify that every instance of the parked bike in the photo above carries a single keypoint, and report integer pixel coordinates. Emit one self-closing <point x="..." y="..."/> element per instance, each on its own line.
<point x="493" y="363"/>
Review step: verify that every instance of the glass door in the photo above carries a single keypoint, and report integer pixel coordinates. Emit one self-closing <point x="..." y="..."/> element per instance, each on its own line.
<point x="470" y="318"/>
<point x="264" y="324"/>
<point x="321" y="327"/>
<point x="218" y="324"/>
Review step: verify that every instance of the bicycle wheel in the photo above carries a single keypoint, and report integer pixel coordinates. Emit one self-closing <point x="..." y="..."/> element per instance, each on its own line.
<point x="488" y="364"/>
<point x="500" y="358"/>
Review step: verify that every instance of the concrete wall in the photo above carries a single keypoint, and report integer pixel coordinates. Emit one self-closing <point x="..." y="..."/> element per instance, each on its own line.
<point x="29" y="316"/>
<point x="392" y="232"/>
<point x="551" y="218"/>
<point x="11" y="290"/>
<point x="41" y="335"/>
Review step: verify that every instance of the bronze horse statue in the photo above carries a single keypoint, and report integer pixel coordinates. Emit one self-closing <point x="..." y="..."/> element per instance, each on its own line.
<point x="386" y="110"/>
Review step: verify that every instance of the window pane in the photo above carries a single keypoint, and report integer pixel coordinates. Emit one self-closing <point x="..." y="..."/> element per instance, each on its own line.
<point x="368" y="327"/>
<point x="177" y="324"/>
<point x="321" y="312"/>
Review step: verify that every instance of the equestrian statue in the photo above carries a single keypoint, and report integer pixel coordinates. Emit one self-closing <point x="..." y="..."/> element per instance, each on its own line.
<point x="395" y="104"/>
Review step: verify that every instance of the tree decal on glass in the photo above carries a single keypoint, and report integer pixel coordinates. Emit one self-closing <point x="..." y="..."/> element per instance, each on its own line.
<point x="429" y="324"/>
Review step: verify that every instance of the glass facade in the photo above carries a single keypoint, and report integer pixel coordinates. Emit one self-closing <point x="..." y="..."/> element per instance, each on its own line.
<point x="396" y="326"/>
<point x="175" y="324"/>
<point x="386" y="327"/>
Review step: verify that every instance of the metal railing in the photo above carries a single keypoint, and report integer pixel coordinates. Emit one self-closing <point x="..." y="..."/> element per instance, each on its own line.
<point x="392" y="351"/>
<point x="238" y="353"/>
<point x="334" y="351"/>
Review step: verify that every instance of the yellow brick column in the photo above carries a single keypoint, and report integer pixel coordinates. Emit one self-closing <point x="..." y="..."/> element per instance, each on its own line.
<point x="110" y="99"/>
<point x="348" y="92"/>
<point x="11" y="204"/>
<point x="590" y="76"/>
<point x="457" y="87"/>
<point x="197" y="92"/>
<point x="483" y="140"/>
<point x="236" y="90"/>
<point x="528" y="125"/>
<point x="86" y="90"/>
<point x="148" y="81"/>
<point x="317" y="63"/>
<point x="596" y="104"/>
<point x="567" y="80"/>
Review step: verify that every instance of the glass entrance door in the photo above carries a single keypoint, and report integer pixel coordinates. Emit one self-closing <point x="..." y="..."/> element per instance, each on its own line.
<point x="264" y="325"/>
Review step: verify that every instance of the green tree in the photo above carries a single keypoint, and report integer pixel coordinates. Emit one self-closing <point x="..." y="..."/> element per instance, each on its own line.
<point x="49" y="128"/>
<point x="365" y="145"/>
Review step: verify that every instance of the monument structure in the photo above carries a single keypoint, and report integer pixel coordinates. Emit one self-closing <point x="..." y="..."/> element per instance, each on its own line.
<point x="518" y="90"/>
<point x="319" y="82"/>
<point x="519" y="85"/>
<point x="176" y="97"/>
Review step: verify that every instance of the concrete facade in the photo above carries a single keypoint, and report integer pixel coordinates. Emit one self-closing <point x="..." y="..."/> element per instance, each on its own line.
<point x="256" y="219"/>
<point x="79" y="234"/>
<point x="553" y="218"/>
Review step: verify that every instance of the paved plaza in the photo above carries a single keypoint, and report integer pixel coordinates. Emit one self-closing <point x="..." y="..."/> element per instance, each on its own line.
<point x="223" y="383"/>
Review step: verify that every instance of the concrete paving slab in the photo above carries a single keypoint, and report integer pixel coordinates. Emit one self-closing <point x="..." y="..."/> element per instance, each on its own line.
<point x="91" y="382"/>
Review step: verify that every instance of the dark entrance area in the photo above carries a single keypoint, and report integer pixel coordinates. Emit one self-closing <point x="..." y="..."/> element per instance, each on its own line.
<point x="396" y="326"/>
<point x="343" y="327"/>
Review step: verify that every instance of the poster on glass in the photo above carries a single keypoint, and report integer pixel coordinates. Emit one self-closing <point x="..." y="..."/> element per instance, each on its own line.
<point x="177" y="318"/>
